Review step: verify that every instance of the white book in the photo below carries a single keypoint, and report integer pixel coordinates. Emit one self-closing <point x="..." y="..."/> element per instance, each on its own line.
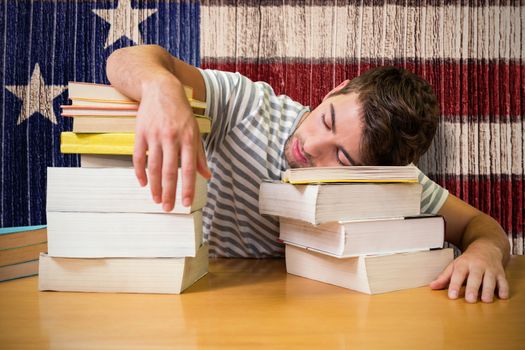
<point x="104" y="235"/>
<point x="111" y="190"/>
<point x="371" y="274"/>
<point x="322" y="203"/>
<point x="358" y="237"/>
<point x="122" y="275"/>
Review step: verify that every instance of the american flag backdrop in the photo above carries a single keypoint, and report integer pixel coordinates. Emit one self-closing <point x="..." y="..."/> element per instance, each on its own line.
<point x="471" y="51"/>
<point x="48" y="43"/>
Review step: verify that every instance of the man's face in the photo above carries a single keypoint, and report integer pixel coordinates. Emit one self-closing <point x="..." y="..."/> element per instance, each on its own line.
<point x="330" y="135"/>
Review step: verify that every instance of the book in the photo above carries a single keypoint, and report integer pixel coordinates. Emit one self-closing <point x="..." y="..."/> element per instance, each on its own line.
<point x="371" y="274"/>
<point x="19" y="236"/>
<point x="106" y="235"/>
<point x="408" y="173"/>
<point x="122" y="275"/>
<point x="109" y="143"/>
<point x="93" y="124"/>
<point x="21" y="254"/>
<point x="102" y="103"/>
<point x="106" y="161"/>
<point x="370" y="237"/>
<point x="80" y="91"/>
<point x="25" y="269"/>
<point x="124" y="111"/>
<point x="322" y="203"/>
<point x="111" y="190"/>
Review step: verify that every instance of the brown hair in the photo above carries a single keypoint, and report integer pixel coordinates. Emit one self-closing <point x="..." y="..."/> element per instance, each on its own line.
<point x="400" y="115"/>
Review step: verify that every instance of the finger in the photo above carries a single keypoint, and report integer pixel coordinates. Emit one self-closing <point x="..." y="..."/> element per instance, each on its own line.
<point x="459" y="275"/>
<point x="475" y="277"/>
<point x="139" y="158"/>
<point x="188" y="167"/>
<point x="170" y="165"/>
<point x="202" y="163"/>
<point x="154" y="170"/>
<point x="503" y="286"/>
<point x="443" y="279"/>
<point x="489" y="285"/>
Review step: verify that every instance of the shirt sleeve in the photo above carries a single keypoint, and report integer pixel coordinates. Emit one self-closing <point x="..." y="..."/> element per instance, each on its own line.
<point x="230" y="98"/>
<point x="433" y="196"/>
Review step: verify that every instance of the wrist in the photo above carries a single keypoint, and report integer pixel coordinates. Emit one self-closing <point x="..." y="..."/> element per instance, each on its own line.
<point x="162" y="81"/>
<point x="487" y="246"/>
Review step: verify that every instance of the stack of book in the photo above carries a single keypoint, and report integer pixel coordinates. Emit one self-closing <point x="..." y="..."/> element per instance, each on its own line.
<point x="105" y="233"/>
<point x="357" y="227"/>
<point x="104" y="124"/>
<point x="97" y="108"/>
<point x="20" y="248"/>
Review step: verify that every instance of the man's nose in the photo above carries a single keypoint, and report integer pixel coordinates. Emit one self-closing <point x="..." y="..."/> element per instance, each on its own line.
<point x="319" y="148"/>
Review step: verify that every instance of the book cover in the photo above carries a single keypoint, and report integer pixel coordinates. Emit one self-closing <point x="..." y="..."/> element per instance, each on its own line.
<point x="21" y="254"/>
<point x="19" y="236"/>
<point x="25" y="269"/>
<point x="109" y="143"/>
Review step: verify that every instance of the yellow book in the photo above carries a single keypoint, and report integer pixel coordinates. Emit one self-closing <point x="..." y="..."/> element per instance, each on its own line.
<point x="301" y="176"/>
<point x="108" y="143"/>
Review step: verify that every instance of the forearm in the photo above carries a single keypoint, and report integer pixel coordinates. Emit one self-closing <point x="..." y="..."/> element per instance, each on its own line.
<point x="132" y="69"/>
<point x="483" y="231"/>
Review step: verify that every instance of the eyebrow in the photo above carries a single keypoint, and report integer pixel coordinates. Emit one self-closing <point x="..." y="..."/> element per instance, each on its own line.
<point x="332" y="113"/>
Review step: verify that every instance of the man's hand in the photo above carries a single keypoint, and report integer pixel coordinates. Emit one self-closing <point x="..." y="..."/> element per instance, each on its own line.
<point x="480" y="266"/>
<point x="166" y="129"/>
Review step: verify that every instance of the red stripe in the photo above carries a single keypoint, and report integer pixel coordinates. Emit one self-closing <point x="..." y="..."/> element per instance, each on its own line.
<point x="480" y="90"/>
<point x="502" y="197"/>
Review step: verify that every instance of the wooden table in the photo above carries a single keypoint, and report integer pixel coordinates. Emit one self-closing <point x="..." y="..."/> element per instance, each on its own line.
<point x="248" y="304"/>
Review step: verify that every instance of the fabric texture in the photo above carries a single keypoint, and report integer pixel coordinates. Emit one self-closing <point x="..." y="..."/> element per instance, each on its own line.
<point x="250" y="125"/>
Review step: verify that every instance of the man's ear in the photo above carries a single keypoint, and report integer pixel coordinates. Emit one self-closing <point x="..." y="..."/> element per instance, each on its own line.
<point x="337" y="88"/>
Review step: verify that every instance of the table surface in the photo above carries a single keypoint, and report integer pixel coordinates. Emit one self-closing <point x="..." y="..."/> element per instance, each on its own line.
<point x="245" y="303"/>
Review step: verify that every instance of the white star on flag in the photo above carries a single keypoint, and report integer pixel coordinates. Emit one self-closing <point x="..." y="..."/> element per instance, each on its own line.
<point x="124" y="21"/>
<point x="36" y="97"/>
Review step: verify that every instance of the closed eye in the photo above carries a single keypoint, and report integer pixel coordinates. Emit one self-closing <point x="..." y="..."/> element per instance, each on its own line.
<point x="324" y="121"/>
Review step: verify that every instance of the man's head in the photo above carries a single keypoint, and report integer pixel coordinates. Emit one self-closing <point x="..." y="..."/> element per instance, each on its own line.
<point x="386" y="116"/>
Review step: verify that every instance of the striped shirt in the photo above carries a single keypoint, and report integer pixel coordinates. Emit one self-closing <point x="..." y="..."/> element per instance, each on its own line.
<point x="249" y="127"/>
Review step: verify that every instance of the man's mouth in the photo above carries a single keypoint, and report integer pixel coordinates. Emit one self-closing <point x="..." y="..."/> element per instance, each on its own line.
<point x="298" y="152"/>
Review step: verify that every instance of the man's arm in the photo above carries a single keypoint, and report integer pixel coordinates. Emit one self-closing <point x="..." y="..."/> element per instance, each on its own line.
<point x="486" y="250"/>
<point x="166" y="128"/>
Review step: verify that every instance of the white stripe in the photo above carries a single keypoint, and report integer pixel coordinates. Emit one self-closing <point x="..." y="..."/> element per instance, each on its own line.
<point x="376" y="32"/>
<point x="477" y="149"/>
